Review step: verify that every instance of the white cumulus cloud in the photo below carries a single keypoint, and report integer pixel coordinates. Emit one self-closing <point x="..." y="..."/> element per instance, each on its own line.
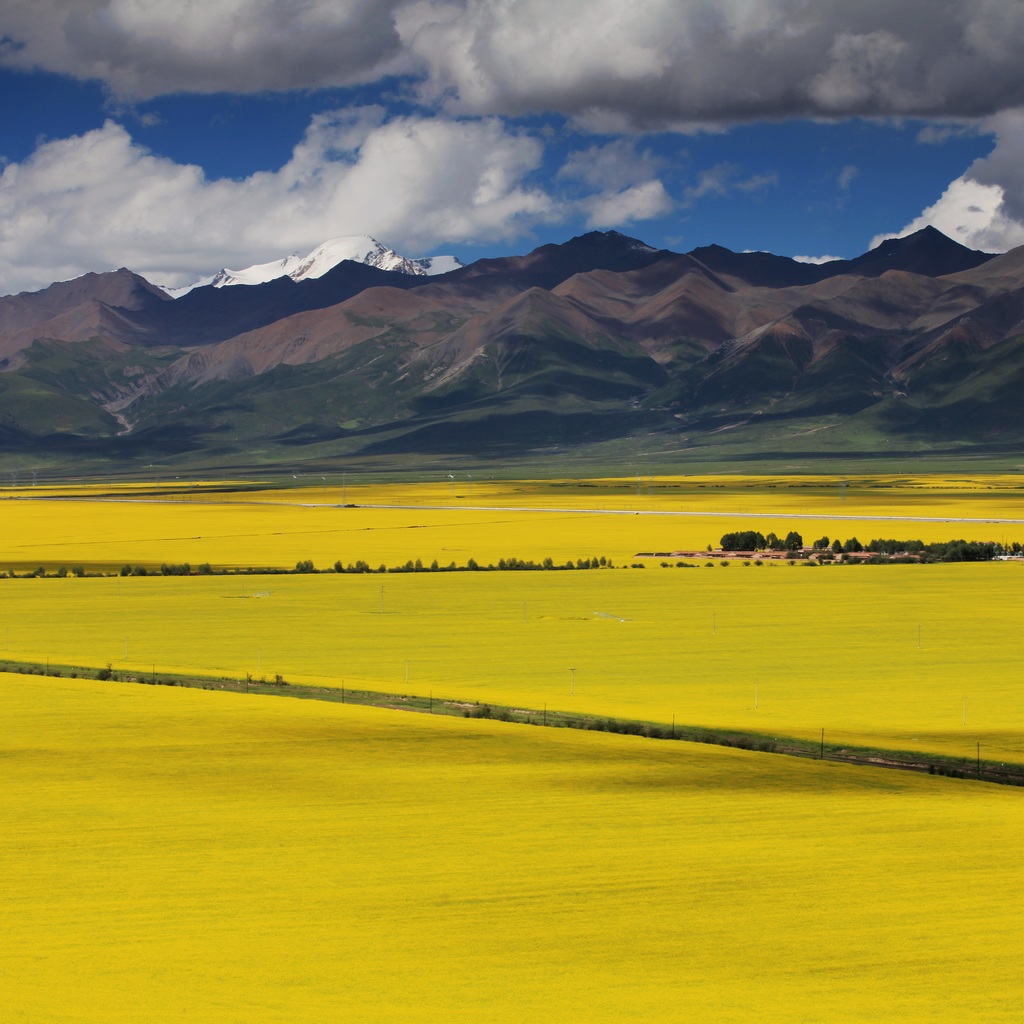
<point x="613" y="165"/>
<point x="638" y="202"/>
<point x="99" y="200"/>
<point x="983" y="208"/>
<point x="972" y="214"/>
<point x="621" y="181"/>
<point x="462" y="174"/>
<point x="816" y="260"/>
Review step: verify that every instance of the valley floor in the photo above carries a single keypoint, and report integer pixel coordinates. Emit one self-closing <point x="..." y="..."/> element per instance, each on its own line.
<point x="179" y="853"/>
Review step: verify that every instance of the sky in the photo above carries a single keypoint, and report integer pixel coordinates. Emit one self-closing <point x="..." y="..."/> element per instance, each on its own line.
<point x="177" y="138"/>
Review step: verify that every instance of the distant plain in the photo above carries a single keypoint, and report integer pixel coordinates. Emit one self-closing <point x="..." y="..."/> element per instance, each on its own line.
<point x="921" y="657"/>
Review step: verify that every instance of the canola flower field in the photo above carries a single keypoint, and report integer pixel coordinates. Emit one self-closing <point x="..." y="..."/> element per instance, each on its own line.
<point x="922" y="658"/>
<point x="175" y="854"/>
<point x="232" y="525"/>
<point x="778" y="650"/>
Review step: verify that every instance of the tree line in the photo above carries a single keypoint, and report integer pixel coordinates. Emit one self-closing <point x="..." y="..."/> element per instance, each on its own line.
<point x="754" y="540"/>
<point x="512" y="564"/>
<point x="937" y="551"/>
<point x="306" y="565"/>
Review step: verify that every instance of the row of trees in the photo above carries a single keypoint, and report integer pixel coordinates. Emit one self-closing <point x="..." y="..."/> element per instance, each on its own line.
<point x="938" y="551"/>
<point x="306" y="565"/>
<point x="79" y="571"/>
<point x="945" y="551"/>
<point x="472" y="565"/>
<point x="754" y="540"/>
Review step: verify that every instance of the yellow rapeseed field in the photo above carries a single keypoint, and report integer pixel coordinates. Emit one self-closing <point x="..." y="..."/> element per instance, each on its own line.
<point x="879" y="496"/>
<point x="178" y="855"/>
<point x="454" y="520"/>
<point x="918" y="657"/>
<point x="924" y="657"/>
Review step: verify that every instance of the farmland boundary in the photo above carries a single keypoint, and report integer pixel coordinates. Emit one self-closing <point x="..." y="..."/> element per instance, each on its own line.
<point x="1000" y="773"/>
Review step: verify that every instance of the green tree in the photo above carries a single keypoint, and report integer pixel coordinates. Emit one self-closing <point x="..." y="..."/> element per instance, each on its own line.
<point x="743" y="540"/>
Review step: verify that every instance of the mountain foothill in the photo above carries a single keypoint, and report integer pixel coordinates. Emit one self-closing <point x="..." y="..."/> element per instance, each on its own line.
<point x="915" y="346"/>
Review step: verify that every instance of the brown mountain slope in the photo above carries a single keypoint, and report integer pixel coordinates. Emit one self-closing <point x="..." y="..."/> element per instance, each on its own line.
<point x="601" y="337"/>
<point x="120" y="288"/>
<point x="999" y="274"/>
<point x="500" y="338"/>
<point x="92" y="305"/>
<point x="421" y="316"/>
<point x="90" y="320"/>
<point x="673" y="309"/>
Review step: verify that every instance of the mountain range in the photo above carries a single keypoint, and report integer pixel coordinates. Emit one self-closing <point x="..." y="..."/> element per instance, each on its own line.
<point x="600" y="344"/>
<point x="326" y="256"/>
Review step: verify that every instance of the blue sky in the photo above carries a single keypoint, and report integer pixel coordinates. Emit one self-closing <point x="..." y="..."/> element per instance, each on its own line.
<point x="182" y="139"/>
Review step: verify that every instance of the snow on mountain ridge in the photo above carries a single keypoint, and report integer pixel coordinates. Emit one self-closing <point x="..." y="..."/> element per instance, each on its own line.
<point x="326" y="256"/>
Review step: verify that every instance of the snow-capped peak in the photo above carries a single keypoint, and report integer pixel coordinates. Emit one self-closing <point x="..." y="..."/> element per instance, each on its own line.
<point x="326" y="256"/>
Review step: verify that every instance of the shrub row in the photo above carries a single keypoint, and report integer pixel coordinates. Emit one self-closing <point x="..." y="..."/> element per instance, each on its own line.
<point x="472" y="565"/>
<point x="306" y="565"/>
<point x="625" y="727"/>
